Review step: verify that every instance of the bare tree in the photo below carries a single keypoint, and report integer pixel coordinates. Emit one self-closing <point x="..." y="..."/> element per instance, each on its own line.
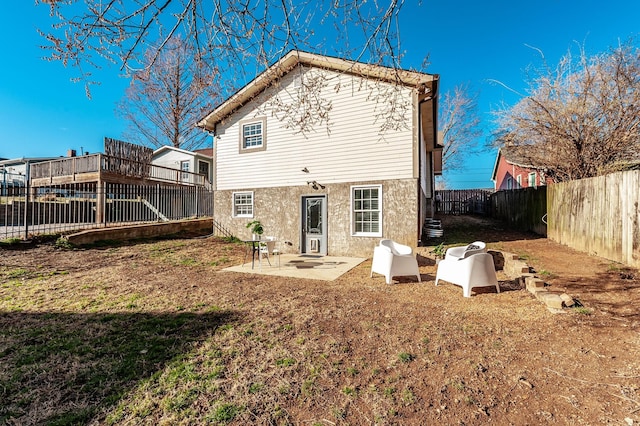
<point x="459" y="125"/>
<point x="581" y="119"/>
<point x="242" y="37"/>
<point x="167" y="98"/>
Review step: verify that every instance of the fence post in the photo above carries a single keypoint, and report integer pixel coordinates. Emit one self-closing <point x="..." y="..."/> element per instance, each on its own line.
<point x="198" y="189"/>
<point x="158" y="201"/>
<point x="100" y="203"/>
<point x="26" y="199"/>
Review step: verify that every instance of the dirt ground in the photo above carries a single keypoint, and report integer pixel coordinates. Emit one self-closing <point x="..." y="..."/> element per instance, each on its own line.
<point x="412" y="353"/>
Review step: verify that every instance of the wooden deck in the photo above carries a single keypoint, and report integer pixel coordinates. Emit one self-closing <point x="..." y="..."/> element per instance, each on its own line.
<point x="105" y="168"/>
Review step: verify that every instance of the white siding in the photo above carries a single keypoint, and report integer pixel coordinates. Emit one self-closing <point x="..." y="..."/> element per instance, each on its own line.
<point x="172" y="159"/>
<point x="351" y="148"/>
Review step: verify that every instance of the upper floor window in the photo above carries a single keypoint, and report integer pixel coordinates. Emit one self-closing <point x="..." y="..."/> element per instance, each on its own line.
<point x="519" y="180"/>
<point x="253" y="135"/>
<point x="532" y="180"/>
<point x="366" y="207"/>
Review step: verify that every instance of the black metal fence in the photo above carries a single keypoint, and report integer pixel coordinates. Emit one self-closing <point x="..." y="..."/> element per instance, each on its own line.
<point x="11" y="182"/>
<point x="25" y="212"/>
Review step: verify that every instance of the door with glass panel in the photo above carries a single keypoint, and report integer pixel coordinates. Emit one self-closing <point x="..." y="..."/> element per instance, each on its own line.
<point x="203" y="169"/>
<point x="314" y="225"/>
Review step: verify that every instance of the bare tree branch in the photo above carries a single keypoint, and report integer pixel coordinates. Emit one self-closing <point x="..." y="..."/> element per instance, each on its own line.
<point x="459" y="125"/>
<point x="581" y="119"/>
<point x="242" y="38"/>
<point x="239" y="36"/>
<point x="165" y="100"/>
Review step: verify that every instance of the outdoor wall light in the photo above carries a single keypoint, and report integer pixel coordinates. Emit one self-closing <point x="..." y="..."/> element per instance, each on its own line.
<point x="315" y="185"/>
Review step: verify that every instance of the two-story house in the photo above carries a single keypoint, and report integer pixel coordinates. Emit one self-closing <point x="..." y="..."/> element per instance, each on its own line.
<point x="511" y="171"/>
<point x="329" y="154"/>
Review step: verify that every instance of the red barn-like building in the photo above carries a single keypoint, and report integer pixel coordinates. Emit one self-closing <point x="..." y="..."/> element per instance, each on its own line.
<point x="511" y="172"/>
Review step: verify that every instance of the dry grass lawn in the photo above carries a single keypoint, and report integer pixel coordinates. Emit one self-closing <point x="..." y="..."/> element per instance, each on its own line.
<point x="152" y="332"/>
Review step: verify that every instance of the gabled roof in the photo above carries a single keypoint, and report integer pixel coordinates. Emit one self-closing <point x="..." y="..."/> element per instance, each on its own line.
<point x="205" y="151"/>
<point x="198" y="153"/>
<point x="511" y="156"/>
<point x="424" y="81"/>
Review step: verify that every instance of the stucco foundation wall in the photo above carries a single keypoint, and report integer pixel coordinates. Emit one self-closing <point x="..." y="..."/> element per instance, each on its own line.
<point x="279" y="211"/>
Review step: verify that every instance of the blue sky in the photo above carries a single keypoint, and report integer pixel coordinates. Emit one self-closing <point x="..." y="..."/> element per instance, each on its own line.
<point x="42" y="113"/>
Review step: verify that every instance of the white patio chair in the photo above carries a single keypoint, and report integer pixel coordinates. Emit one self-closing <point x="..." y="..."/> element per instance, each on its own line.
<point x="465" y="251"/>
<point x="268" y="247"/>
<point x="476" y="270"/>
<point x="392" y="259"/>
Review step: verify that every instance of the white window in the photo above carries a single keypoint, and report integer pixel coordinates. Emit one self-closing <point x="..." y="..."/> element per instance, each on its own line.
<point x="519" y="180"/>
<point x="509" y="183"/>
<point x="184" y="166"/>
<point x="243" y="204"/>
<point x="532" y="180"/>
<point x="366" y="206"/>
<point x="253" y="135"/>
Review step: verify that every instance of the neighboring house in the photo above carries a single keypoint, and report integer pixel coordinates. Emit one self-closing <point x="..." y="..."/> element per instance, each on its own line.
<point x="511" y="171"/>
<point x="200" y="161"/>
<point x="13" y="173"/>
<point x="341" y="186"/>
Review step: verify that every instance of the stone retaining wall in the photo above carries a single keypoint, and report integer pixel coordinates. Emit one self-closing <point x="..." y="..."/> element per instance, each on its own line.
<point x="140" y="231"/>
<point x="521" y="272"/>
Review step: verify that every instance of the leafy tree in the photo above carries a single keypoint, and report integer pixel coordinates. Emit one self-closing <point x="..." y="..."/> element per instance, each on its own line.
<point x="459" y="126"/>
<point x="167" y="97"/>
<point x="581" y="119"/>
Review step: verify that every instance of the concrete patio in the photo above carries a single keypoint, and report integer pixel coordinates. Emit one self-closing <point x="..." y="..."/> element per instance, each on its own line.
<point x="326" y="268"/>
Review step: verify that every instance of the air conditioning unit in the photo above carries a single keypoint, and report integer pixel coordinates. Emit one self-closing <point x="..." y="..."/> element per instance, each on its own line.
<point x="314" y="245"/>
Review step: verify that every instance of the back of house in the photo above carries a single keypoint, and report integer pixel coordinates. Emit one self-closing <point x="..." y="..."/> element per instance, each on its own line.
<point x="329" y="155"/>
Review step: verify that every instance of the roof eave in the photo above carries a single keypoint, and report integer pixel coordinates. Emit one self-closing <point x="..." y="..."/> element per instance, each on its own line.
<point x="295" y="57"/>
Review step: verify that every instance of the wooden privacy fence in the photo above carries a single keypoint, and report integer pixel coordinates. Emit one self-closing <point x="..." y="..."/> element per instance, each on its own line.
<point x="598" y="215"/>
<point x="523" y="209"/>
<point x="462" y="201"/>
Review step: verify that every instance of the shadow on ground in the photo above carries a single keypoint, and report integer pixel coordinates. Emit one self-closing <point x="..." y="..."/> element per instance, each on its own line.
<point x="87" y="362"/>
<point x="463" y="229"/>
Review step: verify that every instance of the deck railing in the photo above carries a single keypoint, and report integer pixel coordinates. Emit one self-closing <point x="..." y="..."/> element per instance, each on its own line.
<point x="95" y="163"/>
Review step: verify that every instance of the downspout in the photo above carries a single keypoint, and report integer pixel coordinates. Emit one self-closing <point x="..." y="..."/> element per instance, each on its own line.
<point x="432" y="98"/>
<point x="422" y="168"/>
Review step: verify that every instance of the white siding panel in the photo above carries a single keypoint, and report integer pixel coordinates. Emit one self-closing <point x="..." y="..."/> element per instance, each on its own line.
<point x="172" y="159"/>
<point x="349" y="149"/>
